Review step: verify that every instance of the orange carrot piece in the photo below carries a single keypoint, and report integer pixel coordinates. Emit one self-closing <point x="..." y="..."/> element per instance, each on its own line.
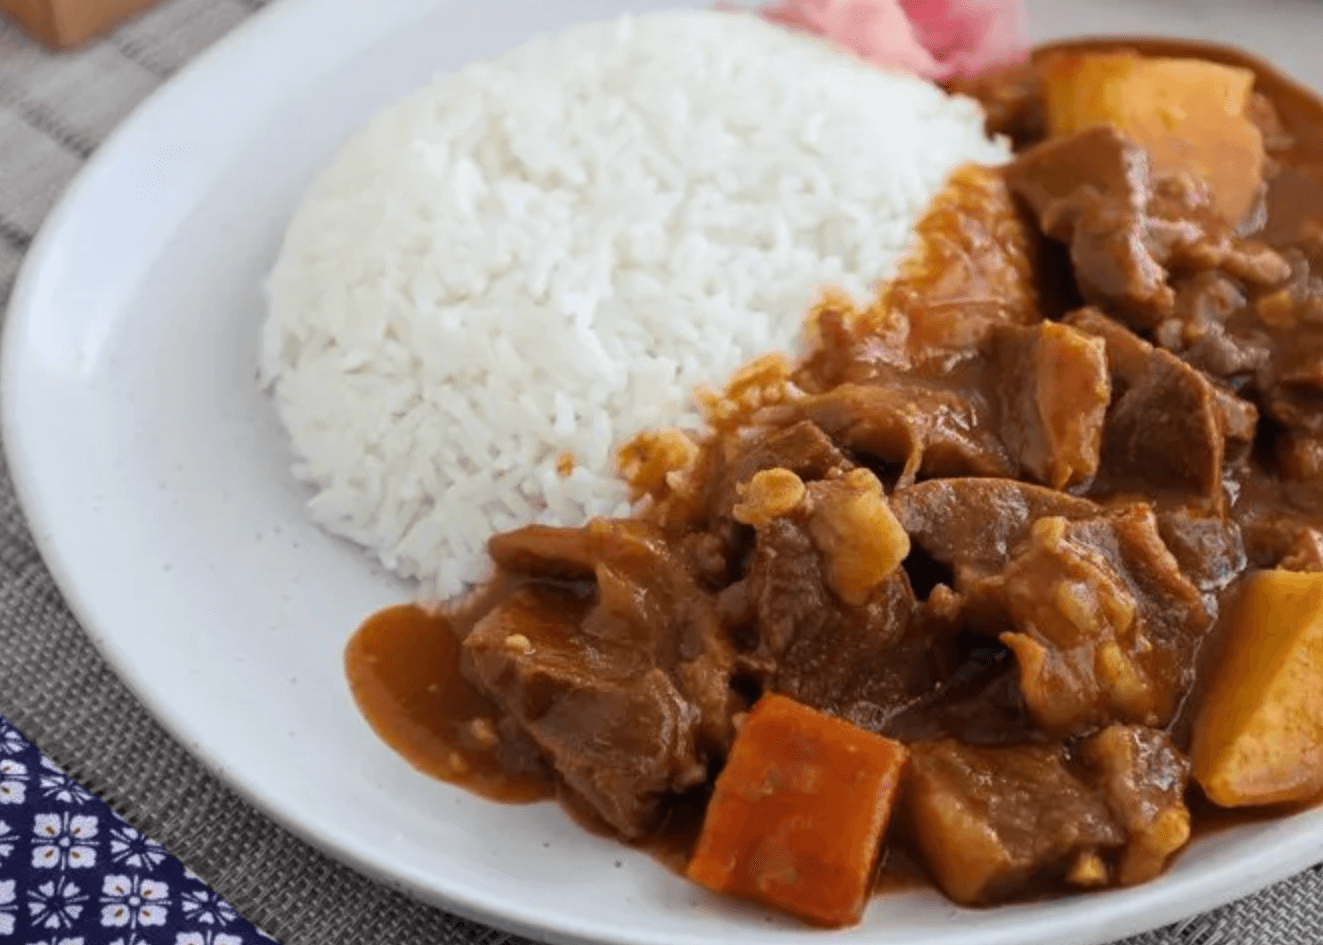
<point x="798" y="813"/>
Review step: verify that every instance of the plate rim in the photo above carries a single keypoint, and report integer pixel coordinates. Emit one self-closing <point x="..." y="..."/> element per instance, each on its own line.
<point x="1101" y="916"/>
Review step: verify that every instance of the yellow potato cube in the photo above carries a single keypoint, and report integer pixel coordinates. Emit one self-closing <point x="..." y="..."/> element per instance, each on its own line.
<point x="1258" y="736"/>
<point x="1188" y="114"/>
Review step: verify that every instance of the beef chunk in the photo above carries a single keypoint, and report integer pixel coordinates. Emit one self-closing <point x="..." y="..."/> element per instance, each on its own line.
<point x="1167" y="430"/>
<point x="613" y="726"/>
<point x="1128" y="230"/>
<point x="835" y="616"/>
<point x="1090" y="191"/>
<point x="801" y="448"/>
<point x="921" y="424"/>
<point x="650" y="638"/>
<point x="1200" y="331"/>
<point x="1107" y="627"/>
<point x="1142" y="777"/>
<point x="978" y="704"/>
<point x="542" y="551"/>
<point x="1052" y="389"/>
<point x="1033" y="403"/>
<point x="1130" y="359"/>
<point x="992" y="821"/>
<point x="1164" y="436"/>
<point x="1208" y="548"/>
<point x="973" y="525"/>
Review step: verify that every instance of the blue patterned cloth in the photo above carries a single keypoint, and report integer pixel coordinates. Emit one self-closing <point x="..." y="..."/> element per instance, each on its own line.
<point x="73" y="872"/>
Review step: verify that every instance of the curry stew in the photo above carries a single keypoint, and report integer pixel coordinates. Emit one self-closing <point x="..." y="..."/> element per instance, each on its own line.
<point x="1018" y="567"/>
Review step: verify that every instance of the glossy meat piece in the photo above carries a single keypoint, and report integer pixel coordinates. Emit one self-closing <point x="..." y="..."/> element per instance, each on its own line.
<point x="1200" y="330"/>
<point x="1052" y="389"/>
<point x="1164" y="436"/>
<point x="978" y="704"/>
<point x="1128" y="230"/>
<point x="1090" y="191"/>
<point x="801" y="448"/>
<point x="992" y="821"/>
<point x="1142" y="777"/>
<point x="1306" y="552"/>
<point x="1208" y="548"/>
<point x="861" y="661"/>
<point x="613" y="726"/>
<point x="974" y="525"/>
<point x="650" y="616"/>
<point x="1131" y="361"/>
<point x="1107" y="627"/>
<point x="924" y="425"/>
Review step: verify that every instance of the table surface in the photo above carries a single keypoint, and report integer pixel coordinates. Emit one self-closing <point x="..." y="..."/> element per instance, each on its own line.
<point x="54" y="111"/>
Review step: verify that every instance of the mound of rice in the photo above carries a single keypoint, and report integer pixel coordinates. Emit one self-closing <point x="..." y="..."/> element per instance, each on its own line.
<point x="547" y="252"/>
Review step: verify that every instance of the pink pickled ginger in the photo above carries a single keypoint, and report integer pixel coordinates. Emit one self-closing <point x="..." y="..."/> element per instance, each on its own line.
<point x="936" y="39"/>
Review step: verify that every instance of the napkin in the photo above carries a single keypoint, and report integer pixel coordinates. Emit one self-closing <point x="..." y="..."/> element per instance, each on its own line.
<point x="73" y="872"/>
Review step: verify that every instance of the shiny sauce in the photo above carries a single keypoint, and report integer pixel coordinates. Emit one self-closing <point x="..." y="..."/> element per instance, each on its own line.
<point x="404" y="664"/>
<point x="404" y="671"/>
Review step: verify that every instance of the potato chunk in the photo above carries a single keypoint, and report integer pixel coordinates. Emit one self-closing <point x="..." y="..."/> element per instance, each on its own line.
<point x="1188" y="114"/>
<point x="1258" y="737"/>
<point x="798" y="813"/>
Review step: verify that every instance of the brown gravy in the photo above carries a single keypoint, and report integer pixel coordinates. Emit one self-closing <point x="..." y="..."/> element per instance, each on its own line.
<point x="403" y="664"/>
<point x="404" y="671"/>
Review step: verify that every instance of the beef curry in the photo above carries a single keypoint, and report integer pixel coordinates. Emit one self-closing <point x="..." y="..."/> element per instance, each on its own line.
<point x="1015" y="569"/>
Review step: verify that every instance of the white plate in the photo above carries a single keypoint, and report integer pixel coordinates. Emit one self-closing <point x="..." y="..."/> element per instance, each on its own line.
<point x="154" y="474"/>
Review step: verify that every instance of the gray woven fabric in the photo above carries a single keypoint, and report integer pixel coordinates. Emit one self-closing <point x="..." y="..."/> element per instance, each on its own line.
<point x="54" y="110"/>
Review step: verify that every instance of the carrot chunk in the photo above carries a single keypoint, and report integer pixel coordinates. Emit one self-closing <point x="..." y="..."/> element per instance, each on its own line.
<point x="798" y="813"/>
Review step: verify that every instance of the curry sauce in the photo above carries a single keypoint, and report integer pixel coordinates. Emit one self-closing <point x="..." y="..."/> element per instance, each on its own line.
<point x="998" y="519"/>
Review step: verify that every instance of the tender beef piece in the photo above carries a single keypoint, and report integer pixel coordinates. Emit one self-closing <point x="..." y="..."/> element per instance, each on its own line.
<point x="1052" y="388"/>
<point x="1276" y="517"/>
<point x="1187" y="234"/>
<point x="545" y="552"/>
<point x="1107" y="627"/>
<point x="977" y="704"/>
<point x="801" y="448"/>
<point x="1291" y="384"/>
<point x="1168" y="429"/>
<point x="974" y="525"/>
<point x="1142" y="777"/>
<point x="936" y="426"/>
<point x="614" y="726"/>
<point x="1198" y="330"/>
<point x="1128" y="355"/>
<point x="1208" y="548"/>
<point x="1299" y="456"/>
<point x="1090" y="190"/>
<point x="992" y="823"/>
<point x="651" y="622"/>
<point x="1131" y="359"/>
<point x="861" y="655"/>
<point x="1163" y="436"/>
<point x="1032" y="404"/>
<point x="1127" y="231"/>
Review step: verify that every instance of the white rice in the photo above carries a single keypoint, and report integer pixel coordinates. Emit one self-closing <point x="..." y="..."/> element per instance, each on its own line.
<point x="546" y="252"/>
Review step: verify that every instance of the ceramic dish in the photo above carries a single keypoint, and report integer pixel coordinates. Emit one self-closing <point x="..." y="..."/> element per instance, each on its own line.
<point x="154" y="474"/>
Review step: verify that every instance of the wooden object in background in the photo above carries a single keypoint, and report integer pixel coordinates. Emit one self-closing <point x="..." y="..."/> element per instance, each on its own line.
<point x="66" y="23"/>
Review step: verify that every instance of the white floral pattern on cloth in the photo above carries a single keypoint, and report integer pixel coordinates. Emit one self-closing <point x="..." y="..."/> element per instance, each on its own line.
<point x="73" y="872"/>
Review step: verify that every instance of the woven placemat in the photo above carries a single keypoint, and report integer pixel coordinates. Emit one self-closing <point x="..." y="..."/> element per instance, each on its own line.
<point x="54" y="110"/>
